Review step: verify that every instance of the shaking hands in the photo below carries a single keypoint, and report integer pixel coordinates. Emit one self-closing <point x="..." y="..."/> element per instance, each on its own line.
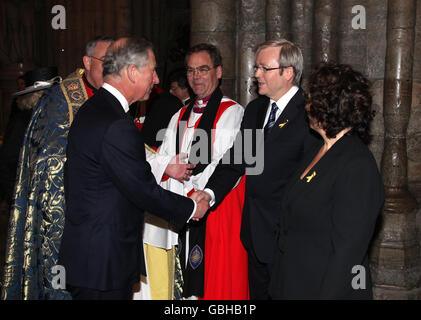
<point x="179" y="169"/>
<point x="202" y="199"/>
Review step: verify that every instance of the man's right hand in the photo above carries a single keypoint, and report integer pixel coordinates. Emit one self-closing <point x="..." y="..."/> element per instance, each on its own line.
<point x="201" y="208"/>
<point x="201" y="195"/>
<point x="178" y="168"/>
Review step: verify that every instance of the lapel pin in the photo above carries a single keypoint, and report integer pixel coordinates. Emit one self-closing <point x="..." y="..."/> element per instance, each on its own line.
<point x="283" y="124"/>
<point x="311" y="176"/>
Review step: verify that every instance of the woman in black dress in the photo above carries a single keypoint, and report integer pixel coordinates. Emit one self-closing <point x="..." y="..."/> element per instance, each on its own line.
<point x="331" y="204"/>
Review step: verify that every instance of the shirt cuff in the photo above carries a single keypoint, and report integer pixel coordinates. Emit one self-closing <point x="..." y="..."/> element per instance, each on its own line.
<point x="194" y="210"/>
<point x="212" y="201"/>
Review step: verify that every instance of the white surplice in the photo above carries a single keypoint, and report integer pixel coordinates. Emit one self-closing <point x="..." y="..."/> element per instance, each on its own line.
<point x="158" y="232"/>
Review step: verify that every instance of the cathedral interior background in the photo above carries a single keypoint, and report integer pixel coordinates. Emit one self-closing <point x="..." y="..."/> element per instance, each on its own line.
<point x="380" y="38"/>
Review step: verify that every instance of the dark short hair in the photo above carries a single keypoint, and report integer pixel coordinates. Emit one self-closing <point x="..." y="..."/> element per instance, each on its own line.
<point x="340" y="98"/>
<point x="212" y="50"/>
<point x="178" y="76"/>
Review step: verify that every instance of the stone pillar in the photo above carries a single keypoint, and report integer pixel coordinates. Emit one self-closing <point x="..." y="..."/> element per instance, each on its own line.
<point x="251" y="32"/>
<point x="214" y="22"/>
<point x="352" y="47"/>
<point x="325" y="38"/>
<point x="376" y="12"/>
<point x="301" y="30"/>
<point x="414" y="128"/>
<point x="278" y="14"/>
<point x="395" y="252"/>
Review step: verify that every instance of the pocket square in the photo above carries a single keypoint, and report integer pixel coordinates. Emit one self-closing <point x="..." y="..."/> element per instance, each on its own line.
<point x="283" y="124"/>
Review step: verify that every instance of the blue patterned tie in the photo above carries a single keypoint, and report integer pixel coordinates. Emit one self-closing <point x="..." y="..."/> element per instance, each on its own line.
<point x="272" y="119"/>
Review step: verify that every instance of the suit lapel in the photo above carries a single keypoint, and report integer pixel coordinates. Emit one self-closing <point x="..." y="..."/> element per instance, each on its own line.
<point x="261" y="113"/>
<point x="288" y="114"/>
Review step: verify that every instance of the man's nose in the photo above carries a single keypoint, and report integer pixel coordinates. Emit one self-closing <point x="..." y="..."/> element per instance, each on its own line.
<point x="196" y="74"/>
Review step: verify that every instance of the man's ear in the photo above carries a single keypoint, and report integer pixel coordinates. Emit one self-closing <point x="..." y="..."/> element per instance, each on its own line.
<point x="87" y="63"/>
<point x="219" y="72"/>
<point x="289" y="73"/>
<point x="132" y="73"/>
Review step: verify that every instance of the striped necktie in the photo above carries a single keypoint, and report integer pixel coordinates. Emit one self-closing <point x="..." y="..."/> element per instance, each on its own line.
<point x="272" y="119"/>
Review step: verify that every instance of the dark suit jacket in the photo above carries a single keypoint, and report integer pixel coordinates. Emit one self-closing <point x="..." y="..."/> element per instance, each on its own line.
<point x="108" y="185"/>
<point x="160" y="112"/>
<point x="327" y="222"/>
<point x="283" y="150"/>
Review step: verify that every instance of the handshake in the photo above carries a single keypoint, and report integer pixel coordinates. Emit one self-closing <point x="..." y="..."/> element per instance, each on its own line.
<point x="179" y="169"/>
<point x="202" y="199"/>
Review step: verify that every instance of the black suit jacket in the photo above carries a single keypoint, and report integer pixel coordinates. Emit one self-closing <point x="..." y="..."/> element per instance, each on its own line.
<point x="108" y="185"/>
<point x="277" y="157"/>
<point x="326" y="224"/>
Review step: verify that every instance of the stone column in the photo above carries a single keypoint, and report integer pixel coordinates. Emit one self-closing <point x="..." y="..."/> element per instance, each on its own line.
<point x="251" y="32"/>
<point x="214" y="22"/>
<point x="278" y="14"/>
<point x="325" y="38"/>
<point x="414" y="128"/>
<point x="352" y="47"/>
<point x="301" y="30"/>
<point x="376" y="12"/>
<point x="395" y="253"/>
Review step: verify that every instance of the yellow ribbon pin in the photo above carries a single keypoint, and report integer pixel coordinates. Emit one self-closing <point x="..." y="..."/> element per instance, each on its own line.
<point x="311" y="176"/>
<point x="283" y="124"/>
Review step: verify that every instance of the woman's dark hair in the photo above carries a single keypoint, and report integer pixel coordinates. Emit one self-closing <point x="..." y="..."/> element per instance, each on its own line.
<point x="340" y="98"/>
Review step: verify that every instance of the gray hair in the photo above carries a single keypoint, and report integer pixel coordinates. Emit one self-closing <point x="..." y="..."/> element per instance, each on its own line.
<point x="132" y="51"/>
<point x="289" y="56"/>
<point x="90" y="46"/>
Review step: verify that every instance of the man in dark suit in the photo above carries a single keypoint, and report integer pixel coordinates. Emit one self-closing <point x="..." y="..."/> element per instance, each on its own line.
<point x="280" y="134"/>
<point x="109" y="184"/>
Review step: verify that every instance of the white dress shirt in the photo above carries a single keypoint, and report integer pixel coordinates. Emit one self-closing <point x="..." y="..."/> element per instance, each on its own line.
<point x="281" y="103"/>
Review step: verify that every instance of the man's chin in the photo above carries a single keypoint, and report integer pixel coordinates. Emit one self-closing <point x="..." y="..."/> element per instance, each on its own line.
<point x="261" y="92"/>
<point x="145" y="96"/>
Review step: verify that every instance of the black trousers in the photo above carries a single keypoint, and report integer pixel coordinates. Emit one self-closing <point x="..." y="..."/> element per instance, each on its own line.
<point x="80" y="293"/>
<point x="259" y="277"/>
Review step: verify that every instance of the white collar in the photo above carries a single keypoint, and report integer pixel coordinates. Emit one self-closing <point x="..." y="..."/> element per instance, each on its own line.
<point x="123" y="101"/>
<point x="184" y="100"/>
<point x="284" y="100"/>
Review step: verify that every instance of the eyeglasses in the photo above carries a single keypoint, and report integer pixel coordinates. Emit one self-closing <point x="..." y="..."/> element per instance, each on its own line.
<point x="202" y="70"/>
<point x="102" y="60"/>
<point x="265" y="69"/>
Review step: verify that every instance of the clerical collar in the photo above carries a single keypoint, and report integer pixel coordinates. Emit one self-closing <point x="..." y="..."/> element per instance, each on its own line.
<point x="88" y="84"/>
<point x="204" y="100"/>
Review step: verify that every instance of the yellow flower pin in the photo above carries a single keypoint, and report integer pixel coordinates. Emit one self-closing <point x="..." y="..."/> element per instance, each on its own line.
<point x="311" y="176"/>
<point x="283" y="124"/>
